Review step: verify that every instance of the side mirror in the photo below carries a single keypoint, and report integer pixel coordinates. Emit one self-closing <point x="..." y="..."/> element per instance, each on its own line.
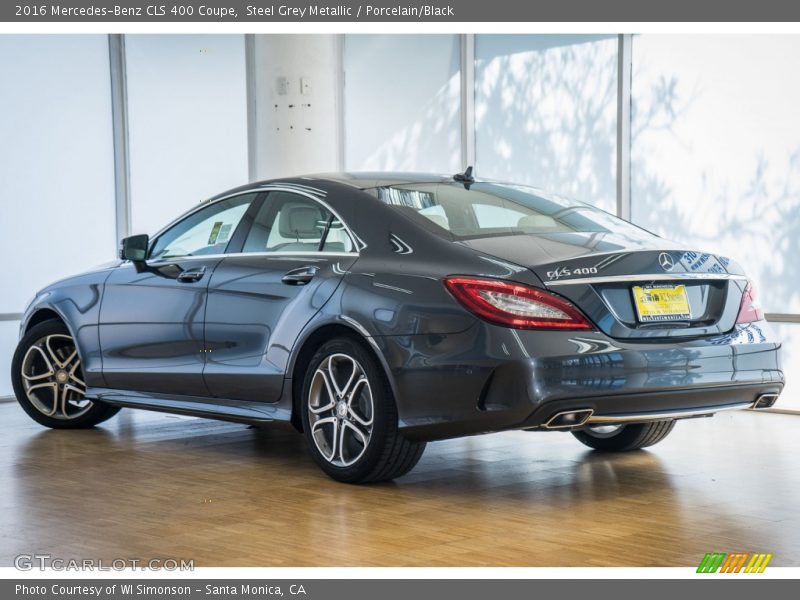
<point x="134" y="248"/>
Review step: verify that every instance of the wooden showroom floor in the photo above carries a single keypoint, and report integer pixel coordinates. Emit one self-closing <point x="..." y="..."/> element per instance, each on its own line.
<point x="147" y="485"/>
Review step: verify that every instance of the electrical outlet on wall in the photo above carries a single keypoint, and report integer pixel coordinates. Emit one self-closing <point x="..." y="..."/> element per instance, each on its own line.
<point x="305" y="86"/>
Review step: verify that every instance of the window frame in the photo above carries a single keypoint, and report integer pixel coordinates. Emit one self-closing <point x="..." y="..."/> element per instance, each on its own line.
<point x="256" y="201"/>
<point x="237" y="250"/>
<point x="236" y="243"/>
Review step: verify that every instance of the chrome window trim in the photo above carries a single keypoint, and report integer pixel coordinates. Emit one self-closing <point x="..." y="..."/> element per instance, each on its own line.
<point x="269" y="187"/>
<point x="299" y="186"/>
<point x="203" y="204"/>
<point x="648" y="277"/>
<point x="290" y="254"/>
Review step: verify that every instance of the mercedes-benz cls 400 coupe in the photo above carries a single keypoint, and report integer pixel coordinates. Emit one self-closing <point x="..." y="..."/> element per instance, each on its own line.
<point x="378" y="311"/>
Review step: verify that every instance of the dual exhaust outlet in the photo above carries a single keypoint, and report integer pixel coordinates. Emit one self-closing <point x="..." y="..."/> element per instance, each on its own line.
<point x="571" y="419"/>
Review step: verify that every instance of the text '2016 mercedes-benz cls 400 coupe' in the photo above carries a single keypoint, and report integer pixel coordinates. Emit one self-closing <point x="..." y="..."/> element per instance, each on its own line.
<point x="378" y="311"/>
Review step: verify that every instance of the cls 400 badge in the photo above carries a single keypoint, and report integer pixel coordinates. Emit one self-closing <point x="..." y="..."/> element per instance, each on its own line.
<point x="567" y="272"/>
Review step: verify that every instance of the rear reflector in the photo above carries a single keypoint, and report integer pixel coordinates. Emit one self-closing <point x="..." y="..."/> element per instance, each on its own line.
<point x="750" y="309"/>
<point x="516" y="305"/>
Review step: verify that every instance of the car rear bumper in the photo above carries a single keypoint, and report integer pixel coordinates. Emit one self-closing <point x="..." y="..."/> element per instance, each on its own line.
<point x="652" y="406"/>
<point x="490" y="378"/>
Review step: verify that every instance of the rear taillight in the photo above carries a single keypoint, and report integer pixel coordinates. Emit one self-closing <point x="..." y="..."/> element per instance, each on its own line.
<point x="750" y="309"/>
<point x="515" y="305"/>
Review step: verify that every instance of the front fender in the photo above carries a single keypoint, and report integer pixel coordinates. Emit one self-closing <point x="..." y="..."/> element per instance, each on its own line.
<point x="76" y="301"/>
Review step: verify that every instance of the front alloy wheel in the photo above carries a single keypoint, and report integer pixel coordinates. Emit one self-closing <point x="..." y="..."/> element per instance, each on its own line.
<point x="52" y="377"/>
<point x="47" y="375"/>
<point x="350" y="417"/>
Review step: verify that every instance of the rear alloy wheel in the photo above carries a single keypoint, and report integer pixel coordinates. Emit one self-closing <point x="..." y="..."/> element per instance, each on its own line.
<point x="350" y="417"/>
<point x="621" y="438"/>
<point x="48" y="380"/>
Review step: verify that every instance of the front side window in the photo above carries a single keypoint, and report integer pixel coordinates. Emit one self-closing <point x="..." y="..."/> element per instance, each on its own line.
<point x="288" y="222"/>
<point x="204" y="232"/>
<point x="493" y="209"/>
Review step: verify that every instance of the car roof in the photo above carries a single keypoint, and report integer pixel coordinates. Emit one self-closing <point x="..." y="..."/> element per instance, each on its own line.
<point x="358" y="180"/>
<point x="372" y="179"/>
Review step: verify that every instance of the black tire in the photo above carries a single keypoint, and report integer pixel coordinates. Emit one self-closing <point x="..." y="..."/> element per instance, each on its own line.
<point x="627" y="437"/>
<point x="387" y="454"/>
<point x="76" y="413"/>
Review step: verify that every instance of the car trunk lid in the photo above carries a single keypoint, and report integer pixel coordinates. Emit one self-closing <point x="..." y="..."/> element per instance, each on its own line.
<point x="621" y="283"/>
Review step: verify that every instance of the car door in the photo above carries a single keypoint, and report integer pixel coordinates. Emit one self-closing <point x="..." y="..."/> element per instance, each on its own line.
<point x="151" y="318"/>
<point x="259" y="299"/>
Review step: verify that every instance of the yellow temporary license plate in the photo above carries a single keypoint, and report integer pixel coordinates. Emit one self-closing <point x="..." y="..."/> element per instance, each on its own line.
<point x="661" y="303"/>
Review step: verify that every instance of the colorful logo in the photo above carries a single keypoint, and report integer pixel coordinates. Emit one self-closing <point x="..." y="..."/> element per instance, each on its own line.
<point x="739" y="562"/>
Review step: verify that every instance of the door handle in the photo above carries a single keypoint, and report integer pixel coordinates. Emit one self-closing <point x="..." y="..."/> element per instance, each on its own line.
<point x="300" y="276"/>
<point x="192" y="275"/>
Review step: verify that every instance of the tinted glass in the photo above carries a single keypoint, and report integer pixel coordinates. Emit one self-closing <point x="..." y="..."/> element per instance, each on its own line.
<point x="207" y="231"/>
<point x="289" y="222"/>
<point x="491" y="209"/>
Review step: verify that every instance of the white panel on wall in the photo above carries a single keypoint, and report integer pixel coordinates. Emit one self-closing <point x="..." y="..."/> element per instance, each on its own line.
<point x="56" y="161"/>
<point x="402" y="103"/>
<point x="546" y="113"/>
<point x="187" y="112"/>
<point x="716" y="151"/>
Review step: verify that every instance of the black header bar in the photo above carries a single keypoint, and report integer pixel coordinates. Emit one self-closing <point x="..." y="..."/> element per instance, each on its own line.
<point x="255" y="11"/>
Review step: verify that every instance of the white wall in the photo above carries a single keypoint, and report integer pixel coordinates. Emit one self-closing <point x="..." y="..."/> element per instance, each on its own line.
<point x="188" y="140"/>
<point x="56" y="167"/>
<point x="297" y="130"/>
<point x="546" y="113"/>
<point x="187" y="114"/>
<point x="716" y="151"/>
<point x="402" y="103"/>
<point x="56" y="160"/>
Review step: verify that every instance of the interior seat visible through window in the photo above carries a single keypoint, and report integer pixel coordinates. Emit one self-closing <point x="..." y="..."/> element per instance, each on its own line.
<point x="288" y="222"/>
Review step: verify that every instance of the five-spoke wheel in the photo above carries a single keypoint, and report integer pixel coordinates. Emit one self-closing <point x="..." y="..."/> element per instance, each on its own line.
<point x="48" y="379"/>
<point x="52" y="377"/>
<point x="341" y="410"/>
<point x="350" y="418"/>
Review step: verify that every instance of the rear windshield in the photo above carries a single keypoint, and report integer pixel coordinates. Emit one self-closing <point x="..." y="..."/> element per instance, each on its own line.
<point x="493" y="210"/>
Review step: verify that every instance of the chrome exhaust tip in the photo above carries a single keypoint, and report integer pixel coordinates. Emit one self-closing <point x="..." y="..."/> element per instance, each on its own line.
<point x="567" y="419"/>
<point x="765" y="400"/>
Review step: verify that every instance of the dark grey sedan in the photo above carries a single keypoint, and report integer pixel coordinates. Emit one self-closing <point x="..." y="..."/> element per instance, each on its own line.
<point x="378" y="311"/>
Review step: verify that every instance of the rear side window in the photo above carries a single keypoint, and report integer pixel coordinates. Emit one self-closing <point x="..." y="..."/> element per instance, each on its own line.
<point x="492" y="209"/>
<point x="289" y="222"/>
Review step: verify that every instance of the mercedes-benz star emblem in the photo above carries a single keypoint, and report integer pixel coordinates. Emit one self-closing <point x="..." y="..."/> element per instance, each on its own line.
<point x="666" y="261"/>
